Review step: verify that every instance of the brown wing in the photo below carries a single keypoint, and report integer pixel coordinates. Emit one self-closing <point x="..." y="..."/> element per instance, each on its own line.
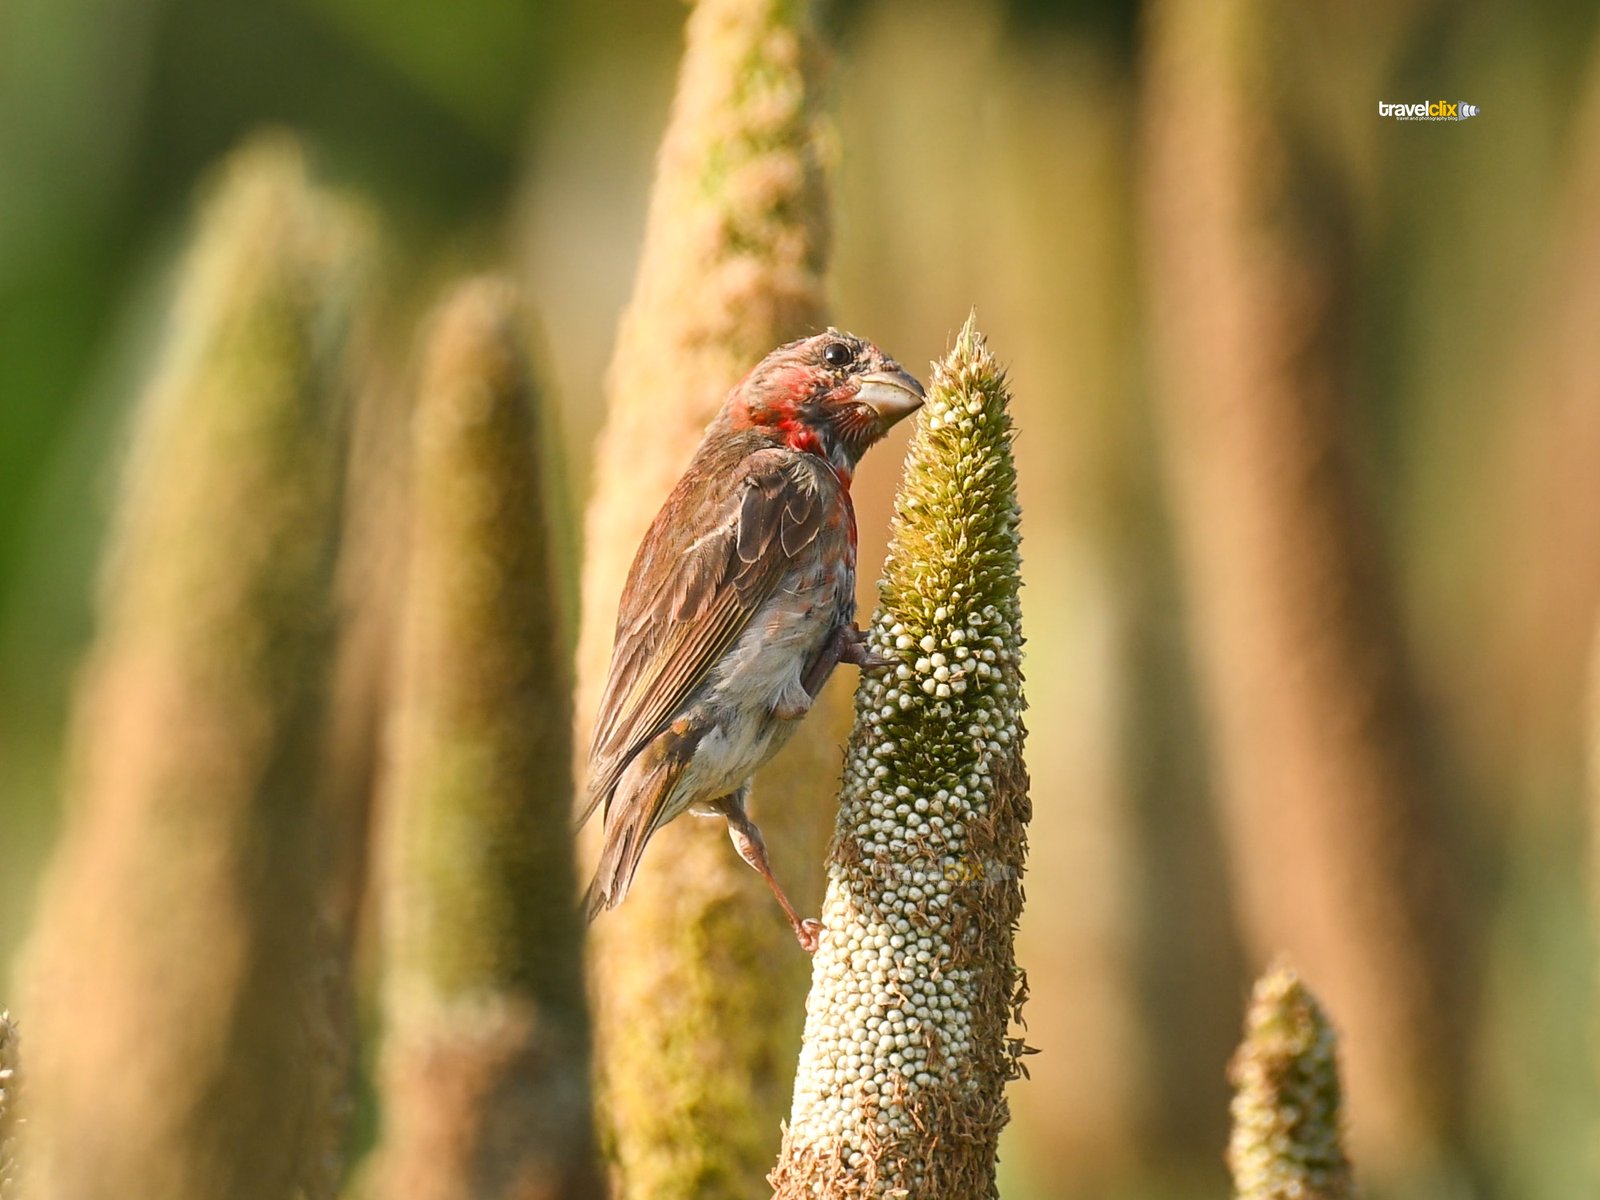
<point x="686" y="604"/>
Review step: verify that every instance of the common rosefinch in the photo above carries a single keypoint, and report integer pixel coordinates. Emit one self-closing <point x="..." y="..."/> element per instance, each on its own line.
<point x="739" y="603"/>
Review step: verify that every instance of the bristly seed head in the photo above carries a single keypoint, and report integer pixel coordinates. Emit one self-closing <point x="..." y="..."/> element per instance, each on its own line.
<point x="900" y="1084"/>
<point x="1286" y="1137"/>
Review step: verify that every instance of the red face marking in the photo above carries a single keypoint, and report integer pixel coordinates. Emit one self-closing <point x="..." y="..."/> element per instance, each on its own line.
<point x="774" y="401"/>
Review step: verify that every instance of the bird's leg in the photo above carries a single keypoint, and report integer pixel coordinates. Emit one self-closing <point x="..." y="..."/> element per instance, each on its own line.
<point x="848" y="644"/>
<point x="817" y="673"/>
<point x="748" y="842"/>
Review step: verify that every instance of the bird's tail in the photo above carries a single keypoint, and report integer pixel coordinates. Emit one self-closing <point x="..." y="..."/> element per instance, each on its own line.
<point x="640" y="805"/>
<point x="614" y="876"/>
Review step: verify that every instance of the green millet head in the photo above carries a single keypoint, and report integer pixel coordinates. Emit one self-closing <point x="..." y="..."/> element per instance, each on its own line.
<point x="914" y="983"/>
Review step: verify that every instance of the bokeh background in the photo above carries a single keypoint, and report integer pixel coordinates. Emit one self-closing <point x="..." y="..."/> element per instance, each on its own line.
<point x="989" y="154"/>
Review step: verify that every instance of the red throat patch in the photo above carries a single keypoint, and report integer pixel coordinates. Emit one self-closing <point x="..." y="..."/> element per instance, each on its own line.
<point x="782" y="393"/>
<point x="803" y="438"/>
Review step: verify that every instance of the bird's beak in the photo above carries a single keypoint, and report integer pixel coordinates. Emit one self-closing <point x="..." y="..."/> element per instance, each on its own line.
<point x="891" y="394"/>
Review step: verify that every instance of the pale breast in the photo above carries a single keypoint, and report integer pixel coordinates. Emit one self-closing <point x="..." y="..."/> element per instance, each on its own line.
<point x="762" y="672"/>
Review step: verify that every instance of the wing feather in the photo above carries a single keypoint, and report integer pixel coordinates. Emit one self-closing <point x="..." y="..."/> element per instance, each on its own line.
<point x="670" y="636"/>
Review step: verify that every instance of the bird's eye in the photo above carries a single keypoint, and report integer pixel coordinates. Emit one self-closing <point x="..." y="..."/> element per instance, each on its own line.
<point x="836" y="354"/>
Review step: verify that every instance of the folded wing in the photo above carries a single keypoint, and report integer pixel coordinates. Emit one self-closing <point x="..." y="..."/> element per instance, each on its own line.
<point x="677" y="622"/>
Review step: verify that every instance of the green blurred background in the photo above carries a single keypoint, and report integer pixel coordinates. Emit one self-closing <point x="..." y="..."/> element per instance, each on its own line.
<point x="987" y="154"/>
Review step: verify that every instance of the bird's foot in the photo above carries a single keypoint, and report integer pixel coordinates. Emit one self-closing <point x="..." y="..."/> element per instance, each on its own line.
<point x="853" y="649"/>
<point x="809" y="934"/>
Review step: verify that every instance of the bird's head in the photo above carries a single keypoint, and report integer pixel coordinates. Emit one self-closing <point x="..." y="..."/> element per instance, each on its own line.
<point x="832" y="395"/>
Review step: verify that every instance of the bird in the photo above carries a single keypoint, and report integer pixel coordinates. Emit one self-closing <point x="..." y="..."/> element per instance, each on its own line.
<point x="739" y="604"/>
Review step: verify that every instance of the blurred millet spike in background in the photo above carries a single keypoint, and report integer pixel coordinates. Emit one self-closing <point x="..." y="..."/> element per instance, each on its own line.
<point x="1592" y="811"/>
<point x="10" y="1108"/>
<point x="181" y="976"/>
<point x="1548" y="572"/>
<point x="1287" y="1106"/>
<point x="485" y="1077"/>
<point x="1324" y="765"/>
<point x="693" y="1090"/>
<point x="908" y="1041"/>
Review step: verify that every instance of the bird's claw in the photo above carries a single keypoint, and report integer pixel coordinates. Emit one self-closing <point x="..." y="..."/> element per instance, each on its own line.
<point x="809" y="934"/>
<point x="853" y="649"/>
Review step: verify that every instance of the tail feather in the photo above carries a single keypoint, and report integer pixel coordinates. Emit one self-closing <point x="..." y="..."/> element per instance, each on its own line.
<point x="614" y="876"/>
<point x="638" y="807"/>
<point x="594" y="900"/>
<point x="591" y="802"/>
